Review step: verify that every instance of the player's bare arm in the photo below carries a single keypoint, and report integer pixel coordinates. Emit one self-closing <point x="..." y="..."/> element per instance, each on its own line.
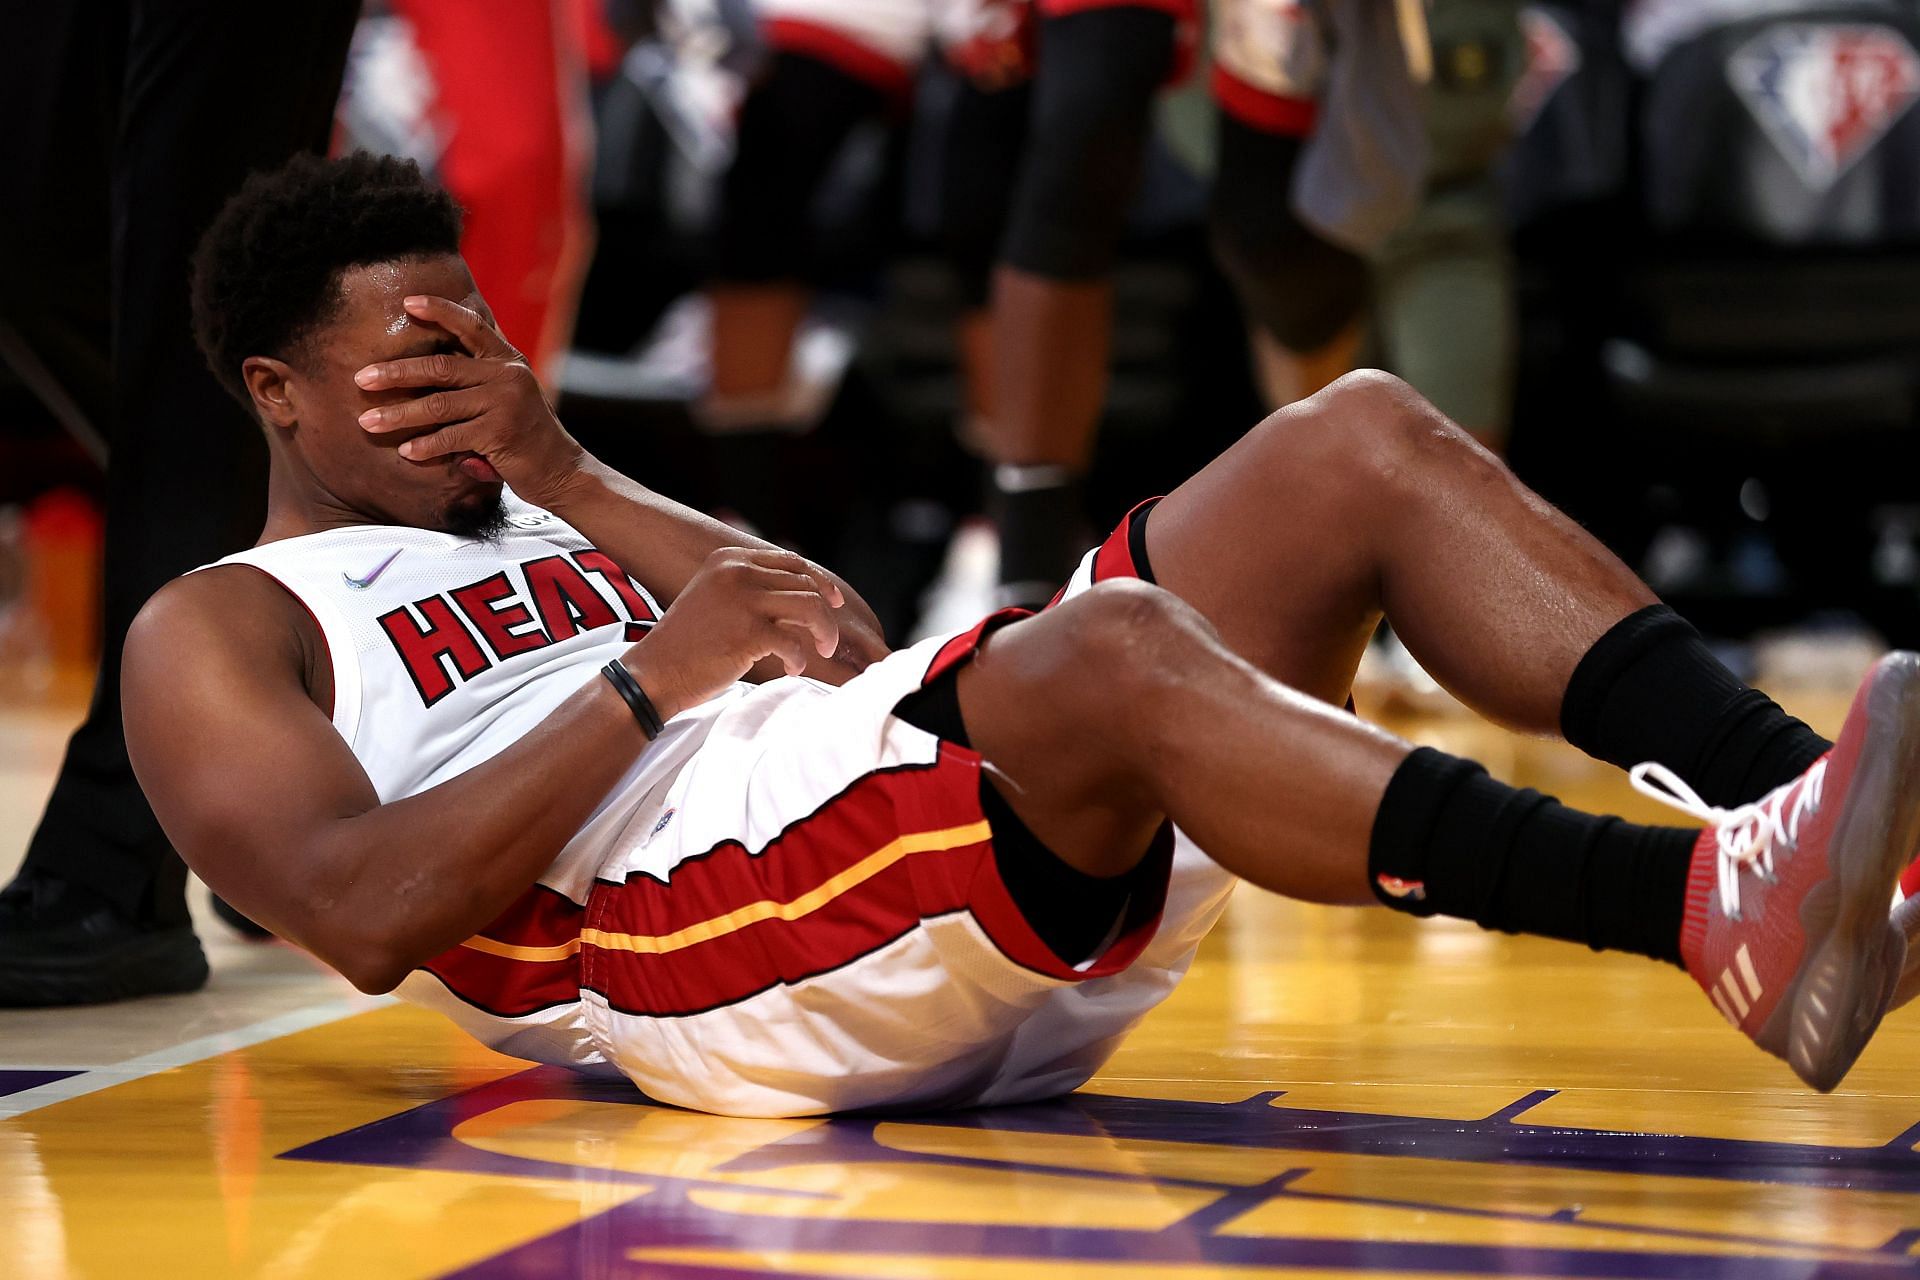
<point x="225" y="688"/>
<point x="484" y="400"/>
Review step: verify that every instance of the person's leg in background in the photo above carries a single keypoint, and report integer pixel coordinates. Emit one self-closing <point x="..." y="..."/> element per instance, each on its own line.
<point x="981" y="151"/>
<point x="62" y="66"/>
<point x="830" y="70"/>
<point x="1098" y="69"/>
<point x="211" y="91"/>
<point x="1303" y="295"/>
<point x="1443" y="285"/>
<point x="510" y="97"/>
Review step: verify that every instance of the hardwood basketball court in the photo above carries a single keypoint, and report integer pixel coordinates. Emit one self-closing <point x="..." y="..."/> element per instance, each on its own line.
<point x="1330" y="1093"/>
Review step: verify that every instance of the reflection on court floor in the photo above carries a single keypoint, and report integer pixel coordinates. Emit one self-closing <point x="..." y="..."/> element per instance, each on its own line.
<point x="1331" y="1093"/>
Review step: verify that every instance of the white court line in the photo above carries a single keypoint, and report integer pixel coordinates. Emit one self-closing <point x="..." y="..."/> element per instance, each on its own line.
<point x="94" y="1079"/>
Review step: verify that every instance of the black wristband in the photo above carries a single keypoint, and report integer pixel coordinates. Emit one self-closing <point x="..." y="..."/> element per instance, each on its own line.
<point x="636" y="698"/>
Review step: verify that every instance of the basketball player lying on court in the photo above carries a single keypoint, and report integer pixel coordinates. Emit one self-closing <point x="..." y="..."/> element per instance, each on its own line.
<point x="698" y="827"/>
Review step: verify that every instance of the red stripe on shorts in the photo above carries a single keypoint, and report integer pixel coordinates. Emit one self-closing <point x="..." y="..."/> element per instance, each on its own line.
<point x="512" y="987"/>
<point x="993" y="906"/>
<point x="962" y="647"/>
<point x="741" y="960"/>
<point x="1114" y="557"/>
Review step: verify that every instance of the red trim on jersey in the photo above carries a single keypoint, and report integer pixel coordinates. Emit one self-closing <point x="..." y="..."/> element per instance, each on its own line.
<point x="511" y="987"/>
<point x="326" y="650"/>
<point x="1260" y="109"/>
<point x="838" y="49"/>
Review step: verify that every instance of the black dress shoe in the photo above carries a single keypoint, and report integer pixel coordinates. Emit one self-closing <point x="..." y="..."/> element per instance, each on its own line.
<point x="61" y="945"/>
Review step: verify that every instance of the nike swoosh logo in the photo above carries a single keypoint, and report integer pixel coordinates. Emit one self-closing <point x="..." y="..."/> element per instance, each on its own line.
<point x="361" y="584"/>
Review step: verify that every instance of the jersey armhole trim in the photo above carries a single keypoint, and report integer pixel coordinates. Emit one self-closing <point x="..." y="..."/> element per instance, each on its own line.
<point x="334" y="637"/>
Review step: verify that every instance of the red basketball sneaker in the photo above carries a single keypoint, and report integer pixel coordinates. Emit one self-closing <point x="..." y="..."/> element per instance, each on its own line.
<point x="1786" y="919"/>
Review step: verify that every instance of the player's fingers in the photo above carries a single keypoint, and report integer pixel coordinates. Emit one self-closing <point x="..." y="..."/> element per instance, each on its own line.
<point x="476" y="335"/>
<point x="863" y="646"/>
<point x="792" y="562"/>
<point x="807" y="609"/>
<point x="437" y="444"/>
<point x="441" y="369"/>
<point x="436" y="408"/>
<point x="783" y="580"/>
<point x="791" y="643"/>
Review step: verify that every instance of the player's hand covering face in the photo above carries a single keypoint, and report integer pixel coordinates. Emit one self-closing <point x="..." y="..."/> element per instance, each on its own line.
<point x="485" y="402"/>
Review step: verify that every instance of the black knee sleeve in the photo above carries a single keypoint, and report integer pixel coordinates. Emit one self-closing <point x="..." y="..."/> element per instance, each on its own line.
<point x="1299" y="288"/>
<point x="792" y="125"/>
<point x="1092" y="104"/>
<point x="986" y="135"/>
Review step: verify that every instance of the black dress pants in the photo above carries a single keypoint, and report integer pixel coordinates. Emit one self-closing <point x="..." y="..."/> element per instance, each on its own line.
<point x="124" y="125"/>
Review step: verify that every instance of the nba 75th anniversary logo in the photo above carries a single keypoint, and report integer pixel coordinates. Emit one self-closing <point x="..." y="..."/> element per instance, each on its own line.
<point x="1157" y="1183"/>
<point x="1825" y="94"/>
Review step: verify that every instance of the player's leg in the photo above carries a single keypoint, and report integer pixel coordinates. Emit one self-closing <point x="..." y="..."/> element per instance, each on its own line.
<point x="1052" y="300"/>
<point x="1364" y="499"/>
<point x="1120" y="708"/>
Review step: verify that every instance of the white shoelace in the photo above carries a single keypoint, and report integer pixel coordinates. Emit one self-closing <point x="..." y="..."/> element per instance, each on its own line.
<point x="1744" y="836"/>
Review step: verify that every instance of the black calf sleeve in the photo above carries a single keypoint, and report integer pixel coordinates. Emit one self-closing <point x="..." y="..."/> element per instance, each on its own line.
<point x="793" y="124"/>
<point x="1651" y="689"/>
<point x="1092" y="103"/>
<point x="1298" y="287"/>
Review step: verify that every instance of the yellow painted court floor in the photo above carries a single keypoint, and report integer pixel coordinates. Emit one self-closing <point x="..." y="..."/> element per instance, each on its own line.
<point x="1329" y="1094"/>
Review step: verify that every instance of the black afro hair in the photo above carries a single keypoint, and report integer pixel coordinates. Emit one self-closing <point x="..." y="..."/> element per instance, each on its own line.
<point x="268" y="270"/>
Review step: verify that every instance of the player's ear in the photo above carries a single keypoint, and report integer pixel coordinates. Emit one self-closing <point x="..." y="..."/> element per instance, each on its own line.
<point x="268" y="381"/>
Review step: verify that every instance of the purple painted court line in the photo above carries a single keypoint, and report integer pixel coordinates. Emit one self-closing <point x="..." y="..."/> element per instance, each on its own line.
<point x="671" y="1218"/>
<point x="19" y="1079"/>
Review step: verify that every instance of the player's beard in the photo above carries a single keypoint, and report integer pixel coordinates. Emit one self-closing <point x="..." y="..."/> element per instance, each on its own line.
<point x="484" y="518"/>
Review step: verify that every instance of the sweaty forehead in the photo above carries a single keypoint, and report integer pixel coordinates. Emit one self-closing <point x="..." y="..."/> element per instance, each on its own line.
<point x="372" y="317"/>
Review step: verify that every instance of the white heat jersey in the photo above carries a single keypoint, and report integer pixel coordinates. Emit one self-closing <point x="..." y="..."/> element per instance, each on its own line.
<point x="445" y="650"/>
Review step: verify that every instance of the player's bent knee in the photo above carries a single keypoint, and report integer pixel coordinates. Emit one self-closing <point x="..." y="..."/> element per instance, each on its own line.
<point x="1373" y="394"/>
<point x="1126" y="639"/>
<point x="1387" y="430"/>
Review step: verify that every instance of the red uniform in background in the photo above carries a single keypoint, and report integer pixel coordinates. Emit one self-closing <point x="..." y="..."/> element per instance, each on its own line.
<point x="509" y="98"/>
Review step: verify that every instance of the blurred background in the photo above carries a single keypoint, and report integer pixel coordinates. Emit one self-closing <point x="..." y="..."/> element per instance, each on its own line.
<point x="1665" y="256"/>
